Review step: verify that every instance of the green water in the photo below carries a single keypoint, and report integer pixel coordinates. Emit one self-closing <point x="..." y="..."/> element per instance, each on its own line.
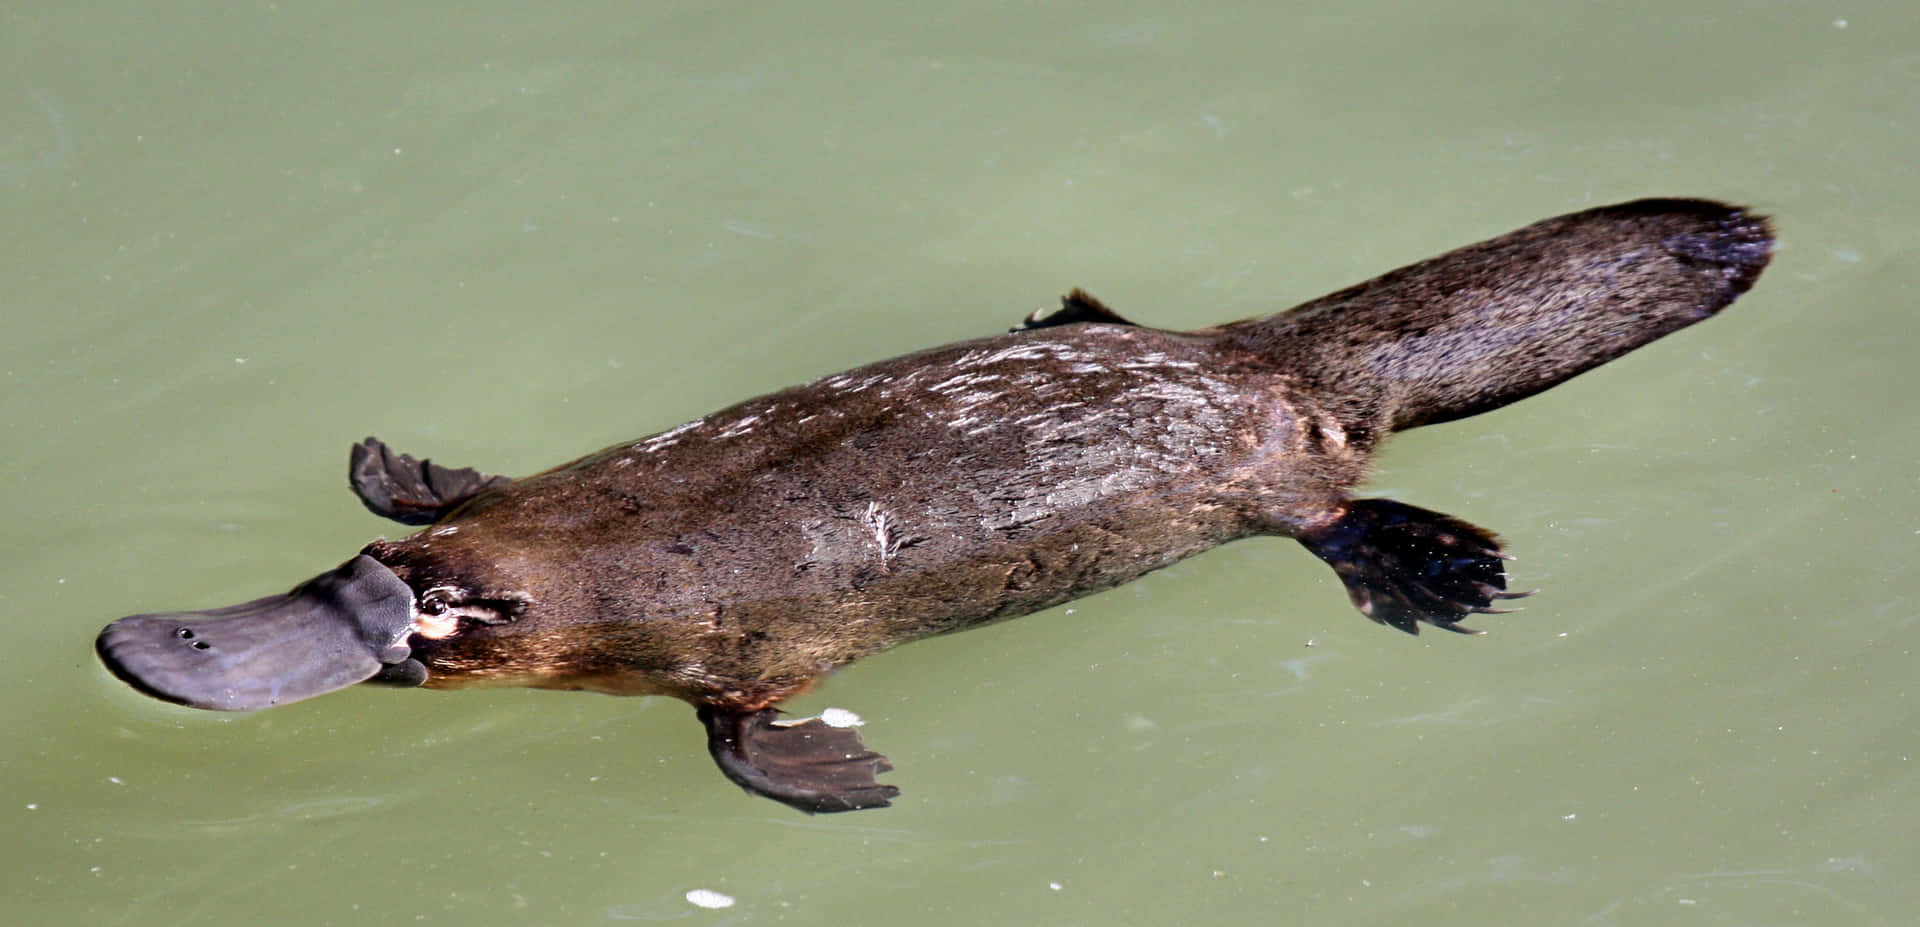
<point x="240" y="237"/>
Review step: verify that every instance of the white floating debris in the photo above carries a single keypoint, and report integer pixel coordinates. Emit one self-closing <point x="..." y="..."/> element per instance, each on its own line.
<point x="708" y="898"/>
<point x="840" y="717"/>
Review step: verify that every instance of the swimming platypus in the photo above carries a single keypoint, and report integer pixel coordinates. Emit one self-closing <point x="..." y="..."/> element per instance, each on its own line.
<point x="736" y="560"/>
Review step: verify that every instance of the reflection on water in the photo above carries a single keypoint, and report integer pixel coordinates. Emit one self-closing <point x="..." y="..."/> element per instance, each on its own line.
<point x="37" y="140"/>
<point x="1818" y="894"/>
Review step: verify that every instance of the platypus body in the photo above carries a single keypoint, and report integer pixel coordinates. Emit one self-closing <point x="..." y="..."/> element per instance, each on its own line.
<point x="737" y="559"/>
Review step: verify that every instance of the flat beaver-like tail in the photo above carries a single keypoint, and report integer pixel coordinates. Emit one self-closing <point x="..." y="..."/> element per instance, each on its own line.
<point x="1477" y="328"/>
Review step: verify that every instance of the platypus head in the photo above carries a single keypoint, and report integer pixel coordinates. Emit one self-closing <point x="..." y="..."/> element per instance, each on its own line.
<point x="382" y="617"/>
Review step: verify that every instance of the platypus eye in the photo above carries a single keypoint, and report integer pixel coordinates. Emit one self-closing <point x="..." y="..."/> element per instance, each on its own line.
<point x="441" y="611"/>
<point x="435" y="614"/>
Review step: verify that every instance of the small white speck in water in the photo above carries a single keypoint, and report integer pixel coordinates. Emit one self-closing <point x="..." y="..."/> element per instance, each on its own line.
<point x="708" y="898"/>
<point x="1054" y="885"/>
<point x="840" y="717"/>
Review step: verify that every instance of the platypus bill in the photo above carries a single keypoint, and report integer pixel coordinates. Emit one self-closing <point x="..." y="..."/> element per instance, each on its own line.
<point x="737" y="559"/>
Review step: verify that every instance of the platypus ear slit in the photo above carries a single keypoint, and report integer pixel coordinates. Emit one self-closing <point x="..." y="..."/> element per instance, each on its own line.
<point x="1403" y="565"/>
<point x="1077" y="306"/>
<point x="412" y="492"/>
<point x="809" y="765"/>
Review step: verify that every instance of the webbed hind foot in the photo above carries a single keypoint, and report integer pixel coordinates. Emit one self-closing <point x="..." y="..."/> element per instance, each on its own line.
<point x="807" y="764"/>
<point x="1403" y="565"/>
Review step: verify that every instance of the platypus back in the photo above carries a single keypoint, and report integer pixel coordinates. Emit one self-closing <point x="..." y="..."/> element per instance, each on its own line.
<point x="1491" y="323"/>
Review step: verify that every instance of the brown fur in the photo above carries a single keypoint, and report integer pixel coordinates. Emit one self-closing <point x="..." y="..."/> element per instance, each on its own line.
<point x="736" y="559"/>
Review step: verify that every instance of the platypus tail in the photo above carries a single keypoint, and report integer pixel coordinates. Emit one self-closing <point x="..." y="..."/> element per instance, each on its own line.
<point x="1477" y="328"/>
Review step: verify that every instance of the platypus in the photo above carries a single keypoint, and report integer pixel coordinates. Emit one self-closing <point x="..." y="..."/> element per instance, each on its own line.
<point x="736" y="560"/>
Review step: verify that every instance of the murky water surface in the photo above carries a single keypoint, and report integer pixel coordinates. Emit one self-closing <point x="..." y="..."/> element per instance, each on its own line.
<point x="241" y="237"/>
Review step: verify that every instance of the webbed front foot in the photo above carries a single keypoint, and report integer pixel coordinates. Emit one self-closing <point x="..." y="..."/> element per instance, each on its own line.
<point x="1077" y="306"/>
<point x="413" y="492"/>
<point x="1403" y="565"/>
<point x="808" y="764"/>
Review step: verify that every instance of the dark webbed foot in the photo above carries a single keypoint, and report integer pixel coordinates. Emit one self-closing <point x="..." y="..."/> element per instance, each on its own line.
<point x="809" y="765"/>
<point x="1404" y="565"/>
<point x="409" y="491"/>
<point x="1077" y="306"/>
